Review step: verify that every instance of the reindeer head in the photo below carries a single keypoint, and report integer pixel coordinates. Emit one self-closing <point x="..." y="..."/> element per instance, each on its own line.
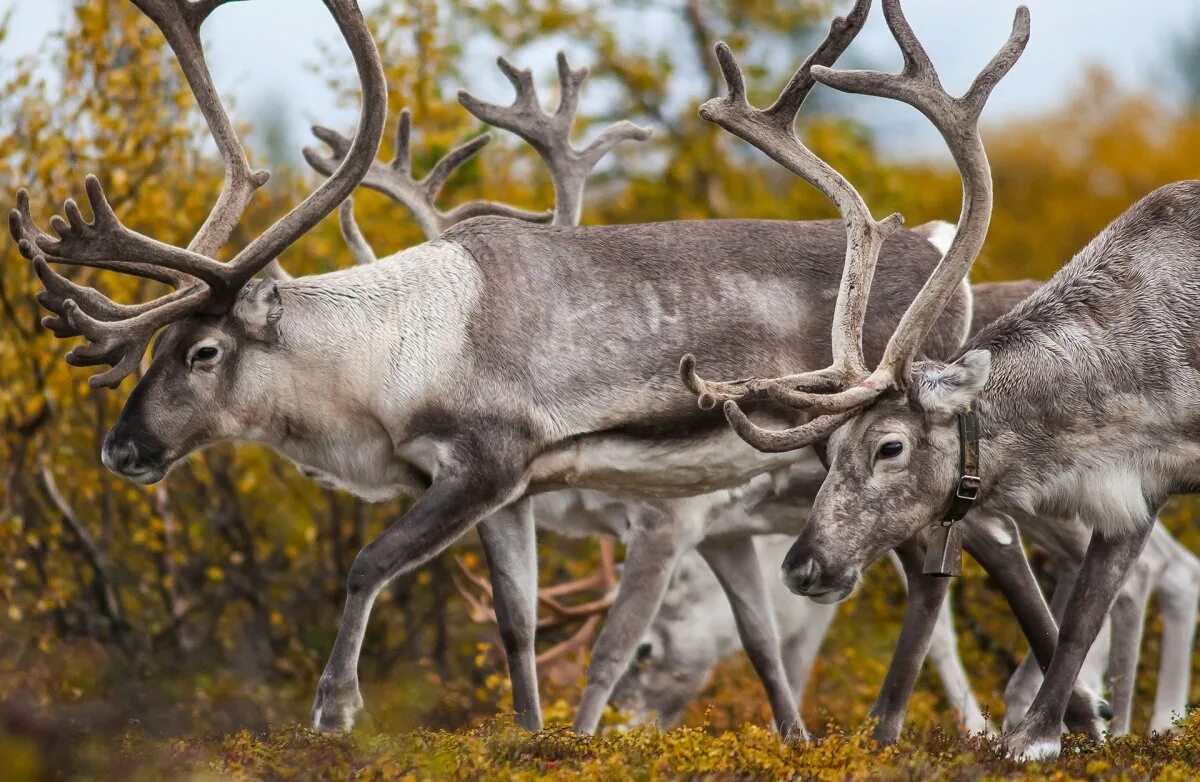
<point x="220" y="342"/>
<point x="892" y="470"/>
<point x="675" y="659"/>
<point x="891" y="430"/>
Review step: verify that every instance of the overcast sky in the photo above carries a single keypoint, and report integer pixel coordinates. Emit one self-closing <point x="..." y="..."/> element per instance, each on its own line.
<point x="259" y="49"/>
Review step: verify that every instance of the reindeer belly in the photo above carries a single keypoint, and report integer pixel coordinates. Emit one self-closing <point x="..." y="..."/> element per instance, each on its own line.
<point x="668" y="467"/>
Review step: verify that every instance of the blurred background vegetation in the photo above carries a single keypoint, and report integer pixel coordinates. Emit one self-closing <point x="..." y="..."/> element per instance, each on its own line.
<point x="207" y="604"/>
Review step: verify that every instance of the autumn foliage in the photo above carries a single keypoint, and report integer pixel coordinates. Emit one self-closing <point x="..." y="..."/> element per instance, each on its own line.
<point x="177" y="623"/>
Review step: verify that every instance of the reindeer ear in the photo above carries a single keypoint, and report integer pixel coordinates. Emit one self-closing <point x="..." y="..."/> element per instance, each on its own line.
<point x="952" y="388"/>
<point x="258" y="309"/>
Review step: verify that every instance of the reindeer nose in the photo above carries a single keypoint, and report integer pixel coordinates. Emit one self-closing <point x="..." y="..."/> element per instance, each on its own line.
<point x="120" y="456"/>
<point x="802" y="578"/>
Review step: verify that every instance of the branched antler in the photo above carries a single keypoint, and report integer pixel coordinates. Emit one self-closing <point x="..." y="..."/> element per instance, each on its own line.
<point x="561" y="613"/>
<point x="834" y="393"/>
<point x="418" y="196"/>
<point x="550" y="134"/>
<point x="118" y="334"/>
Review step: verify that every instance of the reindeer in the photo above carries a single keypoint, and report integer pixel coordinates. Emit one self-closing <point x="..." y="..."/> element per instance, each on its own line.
<point x="1077" y="402"/>
<point x="694" y="630"/>
<point x="674" y="526"/>
<point x="1165" y="568"/>
<point x="576" y="513"/>
<point x="502" y="360"/>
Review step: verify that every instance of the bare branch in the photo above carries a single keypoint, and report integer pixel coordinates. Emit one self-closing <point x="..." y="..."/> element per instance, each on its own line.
<point x="91" y="552"/>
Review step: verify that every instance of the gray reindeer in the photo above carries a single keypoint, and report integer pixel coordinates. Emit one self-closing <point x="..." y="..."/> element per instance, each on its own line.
<point x="1078" y="401"/>
<point x="717" y="525"/>
<point x="501" y="360"/>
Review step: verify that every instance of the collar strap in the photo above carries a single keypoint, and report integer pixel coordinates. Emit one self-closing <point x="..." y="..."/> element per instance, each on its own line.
<point x="943" y="555"/>
<point x="966" y="491"/>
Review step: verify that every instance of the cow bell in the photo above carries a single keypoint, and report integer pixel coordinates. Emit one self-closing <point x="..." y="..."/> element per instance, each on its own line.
<point x="943" y="557"/>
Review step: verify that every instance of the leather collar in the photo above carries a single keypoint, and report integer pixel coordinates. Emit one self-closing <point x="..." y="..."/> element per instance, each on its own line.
<point x="943" y="557"/>
<point x="966" y="491"/>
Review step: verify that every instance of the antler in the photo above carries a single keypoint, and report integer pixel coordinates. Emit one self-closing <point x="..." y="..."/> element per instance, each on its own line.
<point x="834" y="393"/>
<point x="179" y="21"/>
<point x="550" y="134"/>
<point x="119" y="333"/>
<point x="418" y="196"/>
<point x="772" y="130"/>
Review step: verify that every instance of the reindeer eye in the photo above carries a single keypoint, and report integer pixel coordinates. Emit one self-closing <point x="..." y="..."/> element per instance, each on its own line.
<point x="206" y="353"/>
<point x="890" y="450"/>
<point x="644" y="650"/>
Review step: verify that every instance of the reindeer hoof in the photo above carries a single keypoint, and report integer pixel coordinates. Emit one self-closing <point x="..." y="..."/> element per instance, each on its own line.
<point x="336" y="705"/>
<point x="796" y="733"/>
<point x="886" y="734"/>
<point x="1087" y="713"/>
<point x="1031" y="741"/>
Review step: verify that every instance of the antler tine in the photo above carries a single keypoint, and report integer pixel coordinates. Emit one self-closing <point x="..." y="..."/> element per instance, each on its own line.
<point x="360" y="248"/>
<point x="779" y="441"/>
<point x="479" y="604"/>
<point x="180" y="21"/>
<point x="59" y="289"/>
<point x="550" y="134"/>
<point x="33" y="242"/>
<point x="418" y="196"/>
<point x="957" y="119"/>
<point x="709" y="393"/>
<point x="480" y="600"/>
<point x="122" y="343"/>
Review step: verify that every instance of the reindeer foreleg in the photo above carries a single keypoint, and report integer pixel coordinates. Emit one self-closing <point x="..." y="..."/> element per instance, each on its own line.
<point x="735" y="563"/>
<point x="995" y="543"/>
<point x="1128" y="615"/>
<point x="656" y="540"/>
<point x="800" y="653"/>
<point x="465" y="491"/>
<point x="926" y="594"/>
<point x="943" y="653"/>
<point x="1023" y="685"/>
<point x="1178" y="590"/>
<point x="1104" y="568"/>
<point x="510" y="544"/>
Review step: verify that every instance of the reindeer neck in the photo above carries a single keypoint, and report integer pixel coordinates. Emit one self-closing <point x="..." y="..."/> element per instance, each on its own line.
<point x="366" y="347"/>
<point x="381" y="326"/>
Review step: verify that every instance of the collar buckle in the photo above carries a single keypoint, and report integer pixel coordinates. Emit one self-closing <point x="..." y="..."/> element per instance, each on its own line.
<point x="969" y="487"/>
